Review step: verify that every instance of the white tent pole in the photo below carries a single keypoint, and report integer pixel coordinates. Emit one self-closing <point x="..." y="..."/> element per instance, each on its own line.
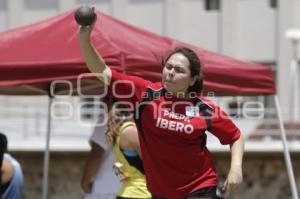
<point x="287" y="157"/>
<point x="294" y="83"/>
<point x="47" y="151"/>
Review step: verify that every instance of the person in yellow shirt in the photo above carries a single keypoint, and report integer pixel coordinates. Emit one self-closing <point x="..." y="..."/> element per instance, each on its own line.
<point x="123" y="136"/>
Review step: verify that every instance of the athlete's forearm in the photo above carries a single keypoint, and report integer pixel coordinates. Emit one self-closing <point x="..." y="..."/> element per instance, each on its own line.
<point x="91" y="168"/>
<point x="237" y="152"/>
<point x="93" y="59"/>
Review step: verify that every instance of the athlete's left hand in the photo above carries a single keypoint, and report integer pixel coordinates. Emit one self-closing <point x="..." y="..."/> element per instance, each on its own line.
<point x="234" y="178"/>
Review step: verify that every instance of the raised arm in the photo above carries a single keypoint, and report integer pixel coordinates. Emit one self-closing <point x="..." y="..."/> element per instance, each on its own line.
<point x="93" y="59"/>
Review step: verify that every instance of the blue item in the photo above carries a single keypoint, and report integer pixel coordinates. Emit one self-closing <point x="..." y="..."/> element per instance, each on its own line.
<point x="14" y="188"/>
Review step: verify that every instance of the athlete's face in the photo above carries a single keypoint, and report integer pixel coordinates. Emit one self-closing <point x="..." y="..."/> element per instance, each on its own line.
<point x="176" y="76"/>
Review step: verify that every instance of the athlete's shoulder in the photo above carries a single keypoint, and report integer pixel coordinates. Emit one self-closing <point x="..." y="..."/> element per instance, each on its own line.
<point x="212" y="105"/>
<point x="117" y="75"/>
<point x="155" y="86"/>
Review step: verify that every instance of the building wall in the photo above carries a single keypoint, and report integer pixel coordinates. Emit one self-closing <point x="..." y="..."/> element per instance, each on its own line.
<point x="288" y="18"/>
<point x="255" y="35"/>
<point x="265" y="175"/>
<point x="253" y="21"/>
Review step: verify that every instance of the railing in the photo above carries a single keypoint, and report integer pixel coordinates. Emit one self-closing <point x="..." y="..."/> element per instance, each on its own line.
<point x="25" y="124"/>
<point x="27" y="121"/>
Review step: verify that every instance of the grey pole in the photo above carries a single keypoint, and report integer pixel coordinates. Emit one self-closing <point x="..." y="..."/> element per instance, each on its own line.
<point x="47" y="151"/>
<point x="287" y="157"/>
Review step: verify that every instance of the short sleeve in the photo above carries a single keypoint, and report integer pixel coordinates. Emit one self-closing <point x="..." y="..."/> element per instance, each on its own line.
<point x="127" y="88"/>
<point x="98" y="135"/>
<point x="223" y="127"/>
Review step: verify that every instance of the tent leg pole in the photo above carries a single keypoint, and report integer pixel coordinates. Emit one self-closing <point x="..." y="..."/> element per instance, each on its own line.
<point x="287" y="157"/>
<point x="47" y="152"/>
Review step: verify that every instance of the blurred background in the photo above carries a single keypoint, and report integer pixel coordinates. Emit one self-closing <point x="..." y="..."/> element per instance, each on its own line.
<point x="259" y="31"/>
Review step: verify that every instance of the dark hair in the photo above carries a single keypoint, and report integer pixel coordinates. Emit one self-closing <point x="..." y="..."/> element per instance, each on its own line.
<point x="195" y="66"/>
<point x="3" y="142"/>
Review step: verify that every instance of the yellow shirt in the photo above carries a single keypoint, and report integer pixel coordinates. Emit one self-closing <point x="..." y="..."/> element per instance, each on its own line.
<point x="133" y="181"/>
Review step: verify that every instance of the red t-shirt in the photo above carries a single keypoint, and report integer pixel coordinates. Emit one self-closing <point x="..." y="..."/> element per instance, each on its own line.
<point x="171" y="132"/>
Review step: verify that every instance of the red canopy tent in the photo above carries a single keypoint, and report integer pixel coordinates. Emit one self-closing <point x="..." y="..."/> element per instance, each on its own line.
<point x="40" y="53"/>
<point x="33" y="56"/>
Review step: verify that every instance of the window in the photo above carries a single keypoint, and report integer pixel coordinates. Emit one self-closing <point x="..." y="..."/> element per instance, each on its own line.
<point x="274" y="3"/>
<point x="91" y="108"/>
<point x="212" y="4"/>
<point x="87" y="108"/>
